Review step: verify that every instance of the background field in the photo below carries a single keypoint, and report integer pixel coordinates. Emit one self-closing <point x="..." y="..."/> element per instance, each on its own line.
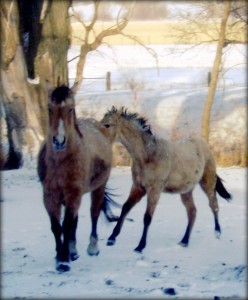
<point x="156" y="32"/>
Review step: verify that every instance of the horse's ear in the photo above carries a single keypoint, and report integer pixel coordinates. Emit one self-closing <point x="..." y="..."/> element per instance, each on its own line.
<point x="49" y="88"/>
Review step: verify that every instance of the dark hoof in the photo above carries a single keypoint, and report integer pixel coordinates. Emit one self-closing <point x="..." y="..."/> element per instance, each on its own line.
<point x="63" y="267"/>
<point x="113" y="219"/>
<point x="217" y="234"/>
<point x="110" y="242"/>
<point x="93" y="254"/>
<point x="74" y="256"/>
<point x="138" y="250"/>
<point x="183" y="244"/>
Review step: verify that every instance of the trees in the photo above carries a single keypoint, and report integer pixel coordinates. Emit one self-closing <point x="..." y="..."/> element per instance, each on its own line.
<point x="150" y="10"/>
<point x="34" y="49"/>
<point x="215" y="73"/>
<point x="226" y="24"/>
<point x="21" y="110"/>
<point x="90" y="41"/>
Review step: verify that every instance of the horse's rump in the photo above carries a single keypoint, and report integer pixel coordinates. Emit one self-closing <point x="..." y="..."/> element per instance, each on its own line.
<point x="188" y="160"/>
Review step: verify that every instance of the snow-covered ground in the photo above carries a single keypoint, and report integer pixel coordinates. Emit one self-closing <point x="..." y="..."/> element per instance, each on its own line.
<point x="208" y="268"/>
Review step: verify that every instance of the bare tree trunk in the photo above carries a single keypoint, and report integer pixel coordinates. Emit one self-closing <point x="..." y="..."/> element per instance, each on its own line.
<point x="19" y="99"/>
<point x="56" y="39"/>
<point x="215" y="73"/>
<point x="23" y="105"/>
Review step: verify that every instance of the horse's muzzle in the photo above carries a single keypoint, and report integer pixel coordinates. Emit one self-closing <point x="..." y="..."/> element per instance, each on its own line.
<point x="58" y="145"/>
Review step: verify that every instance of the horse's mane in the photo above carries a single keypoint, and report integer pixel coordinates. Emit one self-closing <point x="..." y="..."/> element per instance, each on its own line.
<point x="133" y="117"/>
<point x="60" y="93"/>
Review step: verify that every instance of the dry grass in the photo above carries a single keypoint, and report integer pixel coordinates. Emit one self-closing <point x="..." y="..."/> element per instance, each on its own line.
<point x="158" y="32"/>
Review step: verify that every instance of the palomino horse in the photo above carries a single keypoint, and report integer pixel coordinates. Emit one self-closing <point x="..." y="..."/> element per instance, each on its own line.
<point x="75" y="159"/>
<point x="163" y="166"/>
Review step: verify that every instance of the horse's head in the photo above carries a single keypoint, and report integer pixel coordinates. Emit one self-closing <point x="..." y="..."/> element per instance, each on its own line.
<point x="62" y="118"/>
<point x="111" y="121"/>
<point x="120" y="125"/>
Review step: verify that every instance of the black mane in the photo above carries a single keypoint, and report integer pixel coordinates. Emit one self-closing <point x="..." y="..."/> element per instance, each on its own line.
<point x="60" y="94"/>
<point x="142" y="122"/>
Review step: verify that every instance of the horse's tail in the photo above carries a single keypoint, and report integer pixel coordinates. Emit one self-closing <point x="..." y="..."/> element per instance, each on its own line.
<point x="221" y="190"/>
<point x="107" y="202"/>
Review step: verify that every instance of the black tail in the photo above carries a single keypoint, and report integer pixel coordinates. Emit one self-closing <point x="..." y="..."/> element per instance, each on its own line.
<point x="221" y="190"/>
<point x="107" y="201"/>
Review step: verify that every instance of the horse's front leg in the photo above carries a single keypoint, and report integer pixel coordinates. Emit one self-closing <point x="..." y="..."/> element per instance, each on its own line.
<point x="135" y="196"/>
<point x="57" y="231"/>
<point x="69" y="252"/>
<point x="152" y="201"/>
<point x="54" y="210"/>
<point x="69" y="230"/>
<point x="97" y="197"/>
<point x="72" y="240"/>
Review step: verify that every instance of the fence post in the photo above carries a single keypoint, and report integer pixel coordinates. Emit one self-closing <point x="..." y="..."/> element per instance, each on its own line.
<point x="209" y="78"/>
<point x="108" y="81"/>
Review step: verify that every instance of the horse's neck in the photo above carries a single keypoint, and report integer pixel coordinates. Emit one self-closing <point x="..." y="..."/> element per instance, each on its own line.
<point x="138" y="144"/>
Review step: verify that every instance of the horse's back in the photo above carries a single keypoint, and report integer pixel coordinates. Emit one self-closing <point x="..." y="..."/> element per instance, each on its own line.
<point x="188" y="161"/>
<point x="93" y="136"/>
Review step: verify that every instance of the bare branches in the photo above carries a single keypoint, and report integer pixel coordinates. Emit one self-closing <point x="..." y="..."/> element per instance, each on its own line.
<point x="94" y="19"/>
<point x="113" y="30"/>
<point x="203" y="24"/>
<point x="141" y="43"/>
<point x="89" y="33"/>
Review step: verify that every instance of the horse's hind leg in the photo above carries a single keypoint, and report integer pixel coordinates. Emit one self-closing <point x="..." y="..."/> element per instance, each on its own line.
<point x="152" y="201"/>
<point x="208" y="184"/>
<point x="97" y="197"/>
<point x="187" y="200"/>
<point x="135" y="196"/>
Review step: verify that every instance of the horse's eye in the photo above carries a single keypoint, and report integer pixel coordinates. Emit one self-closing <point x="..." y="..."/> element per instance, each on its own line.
<point x="71" y="110"/>
<point x="49" y="110"/>
<point x="107" y="125"/>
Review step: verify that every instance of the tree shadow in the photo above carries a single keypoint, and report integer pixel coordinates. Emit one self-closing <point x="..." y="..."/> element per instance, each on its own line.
<point x="178" y="115"/>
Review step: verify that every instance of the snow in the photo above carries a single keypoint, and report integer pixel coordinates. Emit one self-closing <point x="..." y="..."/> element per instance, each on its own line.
<point x="209" y="267"/>
<point x="178" y="66"/>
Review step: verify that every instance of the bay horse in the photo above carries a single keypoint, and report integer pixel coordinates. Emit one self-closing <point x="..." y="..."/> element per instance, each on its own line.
<point x="160" y="165"/>
<point x="74" y="159"/>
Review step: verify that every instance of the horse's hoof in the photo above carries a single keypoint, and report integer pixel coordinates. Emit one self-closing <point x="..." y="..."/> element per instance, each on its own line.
<point x="110" y="242"/>
<point x="93" y="249"/>
<point x="217" y="234"/>
<point x="74" y="256"/>
<point x="93" y="253"/>
<point x="138" y="250"/>
<point x="113" y="219"/>
<point x="63" y="266"/>
<point x="183" y="244"/>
